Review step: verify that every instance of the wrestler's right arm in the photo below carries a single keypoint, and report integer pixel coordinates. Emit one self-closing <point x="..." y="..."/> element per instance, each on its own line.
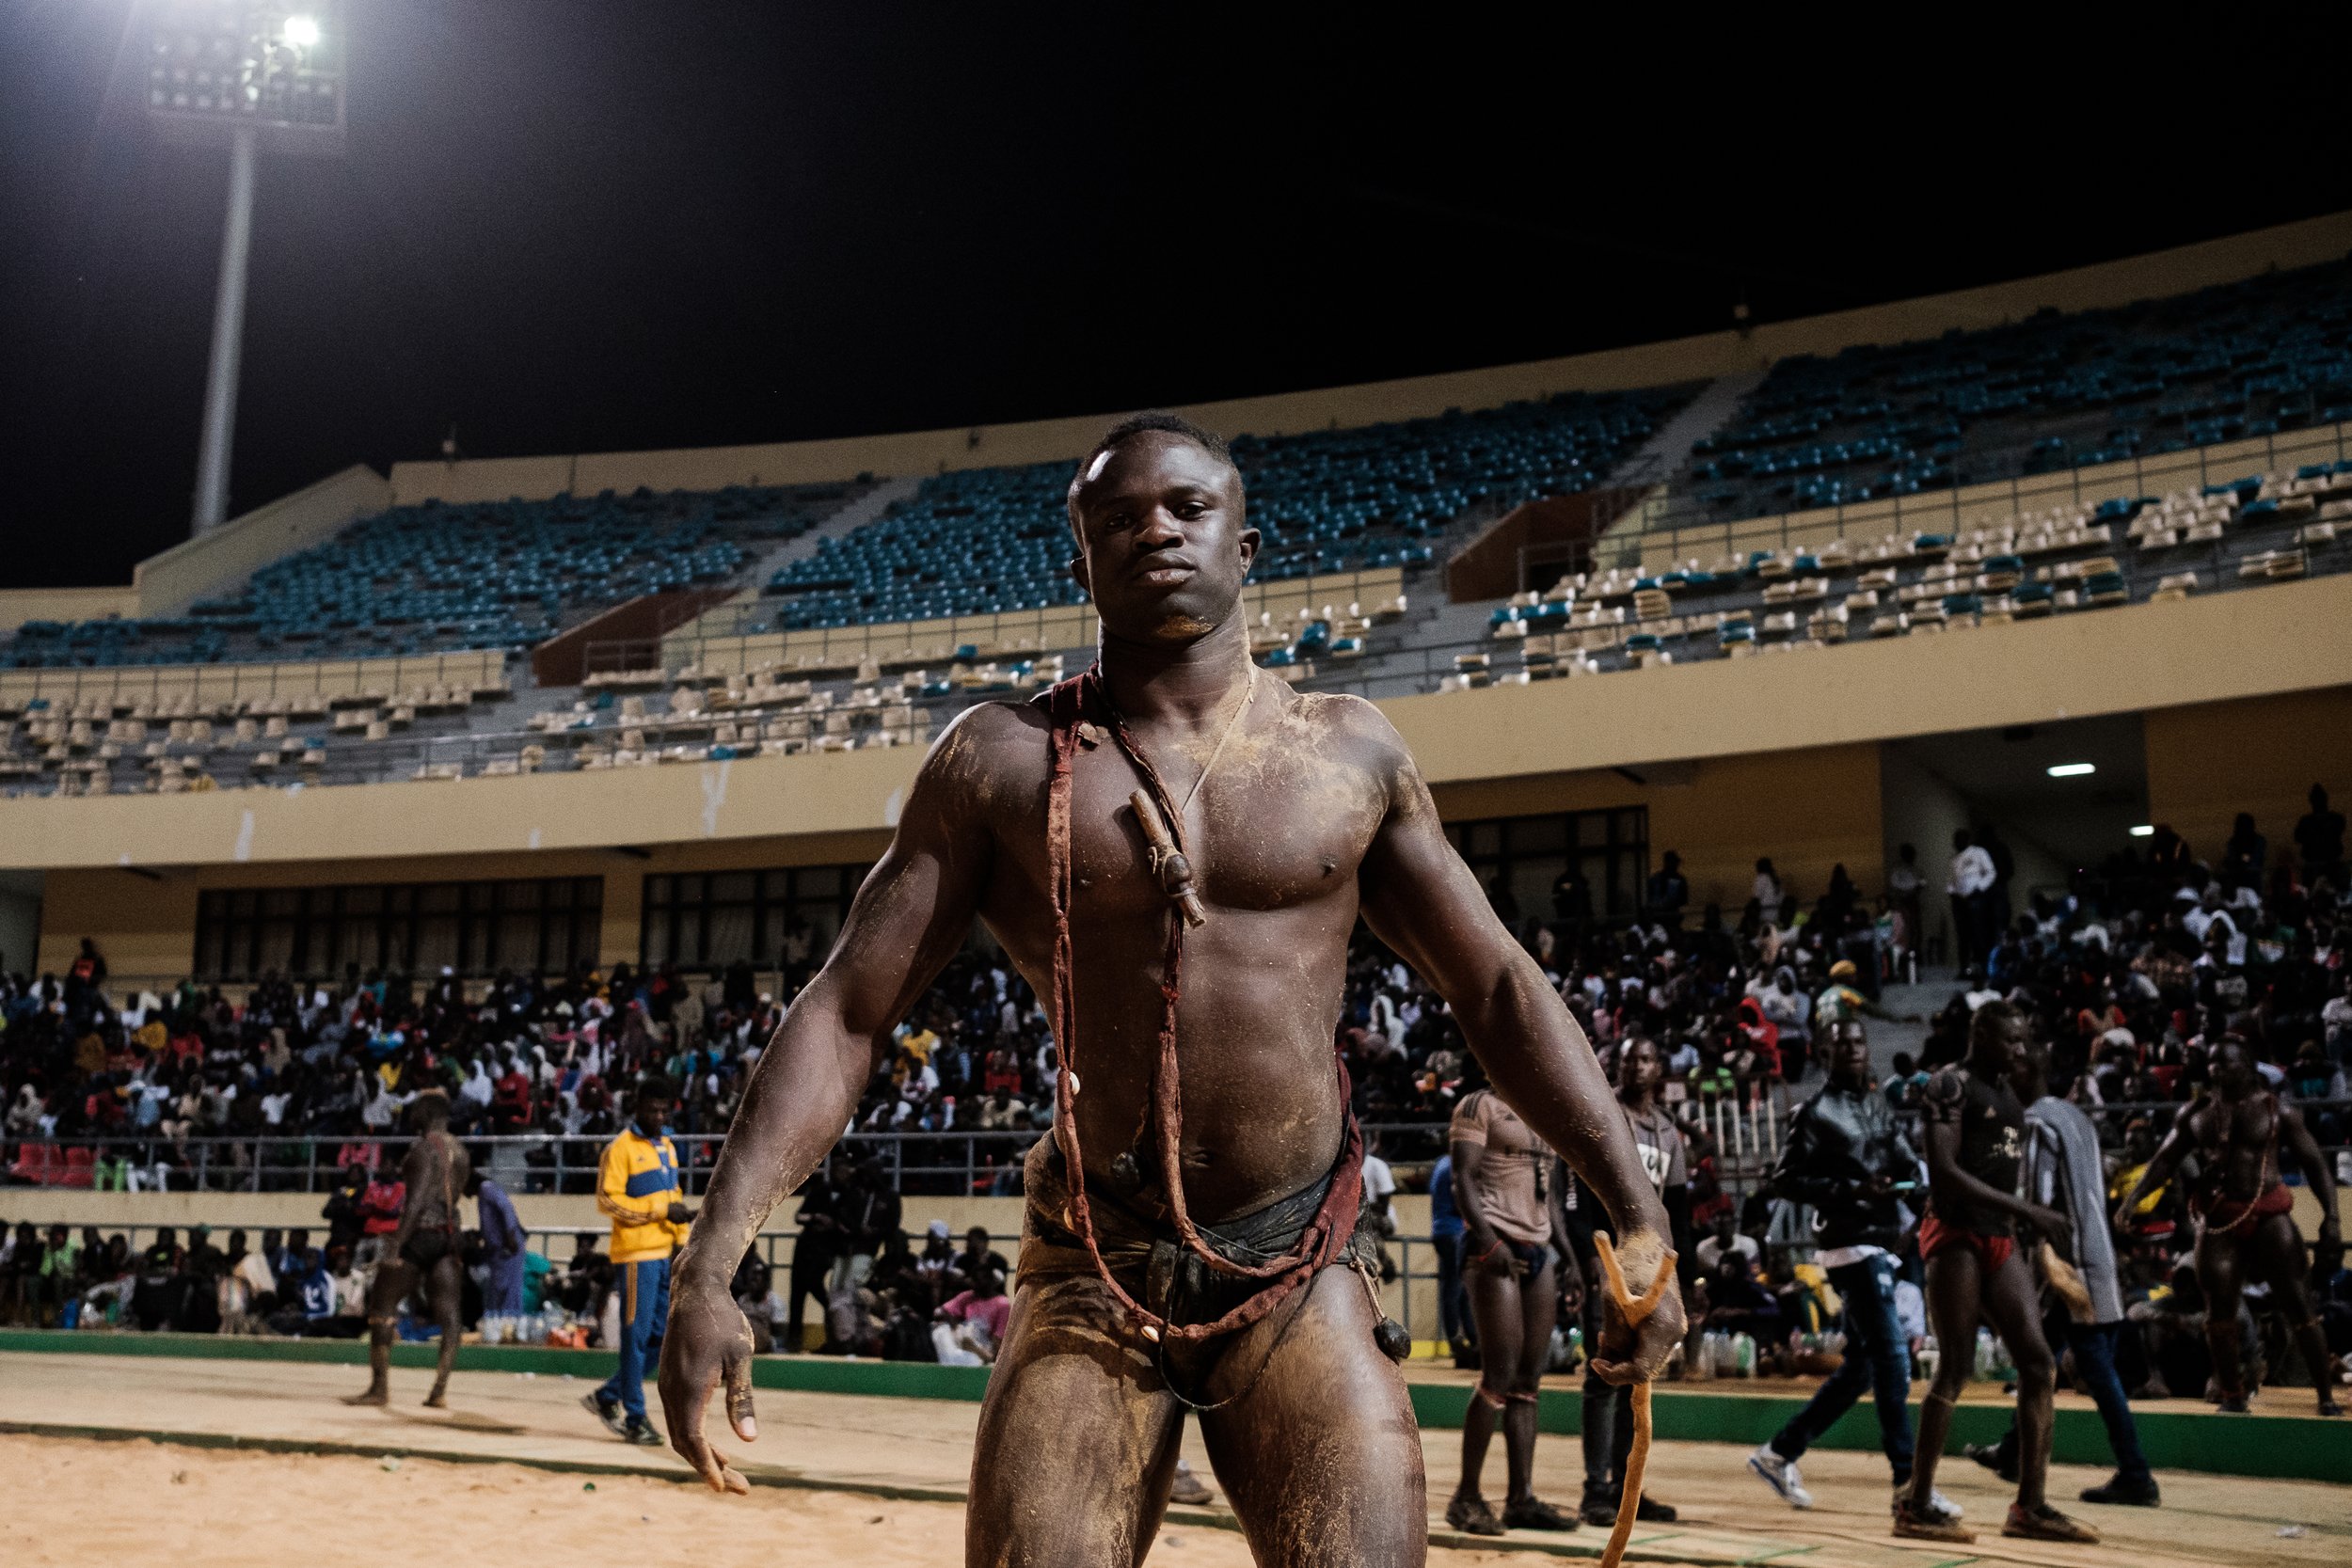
<point x="912" y="913"/>
<point x="2161" y="1165"/>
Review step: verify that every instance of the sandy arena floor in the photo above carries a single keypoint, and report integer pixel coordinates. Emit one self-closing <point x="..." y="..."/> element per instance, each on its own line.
<point x="190" y="1507"/>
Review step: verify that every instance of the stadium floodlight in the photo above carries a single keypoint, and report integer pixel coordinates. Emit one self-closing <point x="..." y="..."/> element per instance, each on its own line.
<point x="2144" y="831"/>
<point x="2072" y="770"/>
<point x="251" y="77"/>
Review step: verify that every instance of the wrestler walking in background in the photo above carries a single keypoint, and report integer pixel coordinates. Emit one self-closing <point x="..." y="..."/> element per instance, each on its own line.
<point x="2244" y="1214"/>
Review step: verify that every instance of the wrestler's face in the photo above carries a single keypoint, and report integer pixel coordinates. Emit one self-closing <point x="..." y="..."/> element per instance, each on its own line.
<point x="1848" y="1058"/>
<point x="1162" y="548"/>
<point x="2233" y="1069"/>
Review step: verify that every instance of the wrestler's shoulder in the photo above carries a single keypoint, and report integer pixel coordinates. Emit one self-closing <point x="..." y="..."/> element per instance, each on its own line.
<point x="988" y="736"/>
<point x="1350" y="724"/>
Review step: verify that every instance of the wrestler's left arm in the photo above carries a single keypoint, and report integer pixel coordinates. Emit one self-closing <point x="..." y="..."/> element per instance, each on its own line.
<point x="1422" y="900"/>
<point x="2316" y="1174"/>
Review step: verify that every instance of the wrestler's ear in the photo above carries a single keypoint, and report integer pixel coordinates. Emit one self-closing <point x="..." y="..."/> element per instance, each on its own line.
<point x="1078" y="572"/>
<point x="1249" y="540"/>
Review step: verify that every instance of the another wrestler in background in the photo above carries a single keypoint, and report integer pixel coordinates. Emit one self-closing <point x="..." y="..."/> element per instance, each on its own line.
<point x="2245" y="1219"/>
<point x="1976" y="1141"/>
<point x="423" y="1250"/>
<point x="1507" y="1184"/>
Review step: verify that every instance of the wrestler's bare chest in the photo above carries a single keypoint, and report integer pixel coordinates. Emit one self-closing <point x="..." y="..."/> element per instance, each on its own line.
<point x="1282" y="823"/>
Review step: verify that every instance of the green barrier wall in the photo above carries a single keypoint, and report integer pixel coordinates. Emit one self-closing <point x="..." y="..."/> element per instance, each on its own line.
<point x="2297" y="1447"/>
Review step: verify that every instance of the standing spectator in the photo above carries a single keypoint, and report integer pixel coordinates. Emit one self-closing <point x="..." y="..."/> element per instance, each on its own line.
<point x="2063" y="1171"/>
<point x="2319" y="839"/>
<point x="1847" y="1158"/>
<point x="1970" y="887"/>
<point x="1445" y="1240"/>
<point x="1903" y="887"/>
<point x="1768" y="891"/>
<point x="1668" y="892"/>
<point x="502" y="1245"/>
<point x="814" y="1250"/>
<point x="637" y="1185"/>
<point x="2245" y="856"/>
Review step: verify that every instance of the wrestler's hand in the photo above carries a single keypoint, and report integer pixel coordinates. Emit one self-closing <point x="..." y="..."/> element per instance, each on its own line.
<point x="708" y="1340"/>
<point x="1635" y="1353"/>
<point x="2056" y="1228"/>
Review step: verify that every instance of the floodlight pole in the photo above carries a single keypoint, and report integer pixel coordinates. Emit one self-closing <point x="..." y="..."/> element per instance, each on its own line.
<point x="220" y="382"/>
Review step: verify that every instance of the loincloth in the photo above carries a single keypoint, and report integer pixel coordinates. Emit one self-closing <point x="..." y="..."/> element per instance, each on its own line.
<point x="2224" y="1215"/>
<point x="1143" y="1252"/>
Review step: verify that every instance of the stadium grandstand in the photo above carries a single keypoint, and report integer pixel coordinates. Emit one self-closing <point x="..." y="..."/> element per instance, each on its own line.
<point x="515" y="777"/>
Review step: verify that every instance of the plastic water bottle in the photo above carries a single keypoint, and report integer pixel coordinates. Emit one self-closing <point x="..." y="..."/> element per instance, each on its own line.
<point x="1744" y="1350"/>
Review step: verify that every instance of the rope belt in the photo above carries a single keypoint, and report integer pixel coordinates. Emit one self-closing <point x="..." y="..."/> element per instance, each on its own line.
<point x="1082" y="713"/>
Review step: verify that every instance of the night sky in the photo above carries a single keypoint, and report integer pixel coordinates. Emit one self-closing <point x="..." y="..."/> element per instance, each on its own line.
<point x="569" y="226"/>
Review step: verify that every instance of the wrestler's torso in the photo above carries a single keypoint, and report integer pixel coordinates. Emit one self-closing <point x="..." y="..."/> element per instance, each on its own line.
<point x="2237" y="1146"/>
<point x="1276" y="838"/>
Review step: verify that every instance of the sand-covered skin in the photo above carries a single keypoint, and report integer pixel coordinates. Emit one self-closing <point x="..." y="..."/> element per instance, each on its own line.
<point x="139" y="1503"/>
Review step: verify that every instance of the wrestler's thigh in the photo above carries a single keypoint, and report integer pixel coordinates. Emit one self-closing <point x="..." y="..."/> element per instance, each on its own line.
<point x="2274" y="1251"/>
<point x="394" y="1278"/>
<point x="2218" y="1272"/>
<point x="1077" y="1438"/>
<point x="2013" y="1305"/>
<point x="1320" y="1455"/>
<point x="1955" y="1301"/>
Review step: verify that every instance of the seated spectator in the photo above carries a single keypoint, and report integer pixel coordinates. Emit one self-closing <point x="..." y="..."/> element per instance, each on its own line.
<point x="971" y="1326"/>
<point x="1725" y="1239"/>
<point x="977" y="1261"/>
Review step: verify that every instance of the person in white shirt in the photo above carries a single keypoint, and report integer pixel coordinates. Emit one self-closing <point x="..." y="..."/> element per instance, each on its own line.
<point x="1970" y="887"/>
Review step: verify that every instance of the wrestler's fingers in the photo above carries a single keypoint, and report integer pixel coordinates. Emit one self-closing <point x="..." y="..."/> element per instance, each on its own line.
<point x="1615" y="1371"/>
<point x="739" y="1416"/>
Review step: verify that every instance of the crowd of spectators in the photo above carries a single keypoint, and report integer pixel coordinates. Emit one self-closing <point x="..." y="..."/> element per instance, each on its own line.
<point x="2128" y="974"/>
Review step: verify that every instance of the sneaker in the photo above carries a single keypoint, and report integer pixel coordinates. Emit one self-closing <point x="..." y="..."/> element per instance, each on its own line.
<point x="2232" y="1404"/>
<point x="1535" y="1513"/>
<point x="640" y="1431"/>
<point x="1990" y="1456"/>
<point x="1188" y="1488"/>
<point x="1651" y="1512"/>
<point x="1598" y="1510"/>
<point x="2046" y="1524"/>
<point x="2126" y="1491"/>
<point x="606" y="1411"/>
<point x="1472" y="1516"/>
<point x="2328" y="1406"/>
<point x="1781" y="1476"/>
<point x="1929" y="1523"/>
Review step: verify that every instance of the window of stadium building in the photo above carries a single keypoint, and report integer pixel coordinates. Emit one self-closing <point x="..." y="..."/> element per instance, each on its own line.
<point x="540" y="924"/>
<point x="769" y="918"/>
<point x="1525" y="855"/>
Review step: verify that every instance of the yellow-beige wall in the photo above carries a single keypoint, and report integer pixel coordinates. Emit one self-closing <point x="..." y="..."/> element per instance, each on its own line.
<point x="2210" y="761"/>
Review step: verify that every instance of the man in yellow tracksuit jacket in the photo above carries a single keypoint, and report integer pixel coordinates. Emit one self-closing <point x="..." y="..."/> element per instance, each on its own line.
<point x="637" y="1185"/>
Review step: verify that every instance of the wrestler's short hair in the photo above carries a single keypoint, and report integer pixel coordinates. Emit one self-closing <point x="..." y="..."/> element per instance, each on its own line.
<point x="1166" y="423"/>
<point x="1993" y="1015"/>
<point x="657" y="1085"/>
<point x="431" y="1106"/>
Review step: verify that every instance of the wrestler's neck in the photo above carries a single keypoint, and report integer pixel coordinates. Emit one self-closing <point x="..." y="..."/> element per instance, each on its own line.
<point x="1191" y="682"/>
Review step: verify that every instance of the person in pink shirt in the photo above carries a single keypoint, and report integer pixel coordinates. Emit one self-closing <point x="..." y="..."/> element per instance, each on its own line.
<point x="969" y="1326"/>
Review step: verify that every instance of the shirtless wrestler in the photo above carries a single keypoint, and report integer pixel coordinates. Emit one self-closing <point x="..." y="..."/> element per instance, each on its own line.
<point x="424" y="1251"/>
<point x="2245" y="1220"/>
<point x="1294" y="816"/>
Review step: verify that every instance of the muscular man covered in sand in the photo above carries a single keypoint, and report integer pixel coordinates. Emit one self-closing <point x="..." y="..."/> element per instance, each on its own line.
<point x="2244" y="1214"/>
<point x="424" y="1251"/>
<point x="1189" y="1241"/>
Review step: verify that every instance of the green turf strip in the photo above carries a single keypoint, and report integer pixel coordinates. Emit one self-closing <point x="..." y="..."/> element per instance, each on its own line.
<point x="2298" y="1448"/>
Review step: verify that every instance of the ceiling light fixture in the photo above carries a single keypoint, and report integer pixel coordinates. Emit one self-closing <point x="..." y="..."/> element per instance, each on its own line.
<point x="2073" y="769"/>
